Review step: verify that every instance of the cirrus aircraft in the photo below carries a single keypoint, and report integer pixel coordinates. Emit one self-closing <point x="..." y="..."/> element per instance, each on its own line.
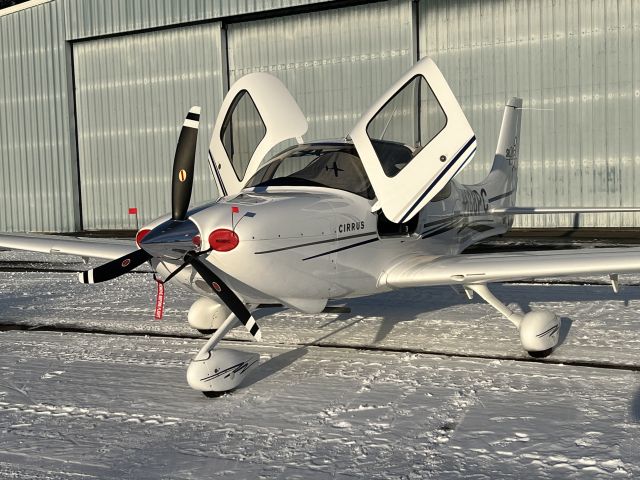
<point x="375" y="211"/>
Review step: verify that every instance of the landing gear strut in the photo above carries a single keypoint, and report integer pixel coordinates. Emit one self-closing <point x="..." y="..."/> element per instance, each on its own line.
<point x="539" y="329"/>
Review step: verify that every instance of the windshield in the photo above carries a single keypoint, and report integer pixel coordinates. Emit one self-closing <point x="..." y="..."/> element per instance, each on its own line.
<point x="333" y="166"/>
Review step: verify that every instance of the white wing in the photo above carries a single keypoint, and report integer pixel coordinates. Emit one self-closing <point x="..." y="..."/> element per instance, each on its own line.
<point x="84" y="247"/>
<point x="500" y="267"/>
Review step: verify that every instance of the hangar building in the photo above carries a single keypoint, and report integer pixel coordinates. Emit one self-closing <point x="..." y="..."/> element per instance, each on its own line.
<point x="93" y="92"/>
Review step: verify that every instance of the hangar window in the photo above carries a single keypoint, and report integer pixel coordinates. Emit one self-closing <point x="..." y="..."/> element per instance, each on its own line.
<point x="242" y="131"/>
<point x="412" y="117"/>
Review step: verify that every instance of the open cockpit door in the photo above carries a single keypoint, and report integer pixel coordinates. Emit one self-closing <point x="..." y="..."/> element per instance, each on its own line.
<point x="413" y="140"/>
<point x="257" y="114"/>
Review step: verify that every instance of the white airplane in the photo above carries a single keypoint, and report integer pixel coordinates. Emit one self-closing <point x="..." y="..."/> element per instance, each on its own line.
<point x="376" y="211"/>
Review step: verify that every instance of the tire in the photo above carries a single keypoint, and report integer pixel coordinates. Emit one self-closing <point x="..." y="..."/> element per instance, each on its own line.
<point x="207" y="332"/>
<point x="541" y="354"/>
<point x="213" y="394"/>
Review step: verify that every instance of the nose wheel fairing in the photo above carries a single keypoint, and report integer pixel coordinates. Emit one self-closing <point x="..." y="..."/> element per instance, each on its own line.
<point x="221" y="370"/>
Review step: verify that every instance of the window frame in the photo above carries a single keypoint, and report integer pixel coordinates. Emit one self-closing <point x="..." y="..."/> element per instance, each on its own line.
<point x="415" y="150"/>
<point x="227" y="122"/>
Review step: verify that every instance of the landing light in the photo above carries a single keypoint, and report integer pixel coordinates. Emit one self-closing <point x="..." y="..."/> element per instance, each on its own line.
<point x="141" y="234"/>
<point x="223" y="240"/>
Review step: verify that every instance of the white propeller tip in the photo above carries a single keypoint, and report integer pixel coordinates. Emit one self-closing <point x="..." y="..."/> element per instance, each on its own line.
<point x="193" y="118"/>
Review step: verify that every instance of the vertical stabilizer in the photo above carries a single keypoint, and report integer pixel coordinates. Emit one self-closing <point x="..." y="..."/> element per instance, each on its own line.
<point x="502" y="181"/>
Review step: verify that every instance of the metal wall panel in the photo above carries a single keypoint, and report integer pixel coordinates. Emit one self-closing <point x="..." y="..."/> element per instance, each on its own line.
<point x="576" y="64"/>
<point x="132" y="94"/>
<point x="37" y="181"/>
<point x="335" y="62"/>
<point x="90" y="18"/>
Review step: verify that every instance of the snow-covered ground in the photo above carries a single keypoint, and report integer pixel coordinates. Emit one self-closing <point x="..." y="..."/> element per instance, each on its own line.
<point x="411" y="384"/>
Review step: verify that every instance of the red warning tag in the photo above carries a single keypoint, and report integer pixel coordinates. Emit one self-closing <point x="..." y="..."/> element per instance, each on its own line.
<point x="159" y="301"/>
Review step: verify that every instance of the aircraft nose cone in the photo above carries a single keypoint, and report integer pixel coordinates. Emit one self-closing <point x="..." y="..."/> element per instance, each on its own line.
<point x="172" y="239"/>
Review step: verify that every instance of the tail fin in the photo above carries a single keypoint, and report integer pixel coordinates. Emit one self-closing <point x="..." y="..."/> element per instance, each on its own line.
<point x="502" y="181"/>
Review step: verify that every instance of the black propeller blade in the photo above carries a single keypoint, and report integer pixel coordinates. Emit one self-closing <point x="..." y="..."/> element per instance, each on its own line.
<point x="228" y="297"/>
<point x="115" y="268"/>
<point x="183" y="165"/>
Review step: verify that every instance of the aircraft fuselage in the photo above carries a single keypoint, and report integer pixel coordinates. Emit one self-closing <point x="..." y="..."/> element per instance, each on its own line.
<point x="304" y="245"/>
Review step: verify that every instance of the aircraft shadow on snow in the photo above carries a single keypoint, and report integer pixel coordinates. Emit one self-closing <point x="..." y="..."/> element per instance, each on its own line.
<point x="417" y="301"/>
<point x="635" y="407"/>
<point x="408" y="305"/>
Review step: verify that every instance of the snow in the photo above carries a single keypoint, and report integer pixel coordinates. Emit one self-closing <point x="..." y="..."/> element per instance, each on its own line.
<point x="419" y="383"/>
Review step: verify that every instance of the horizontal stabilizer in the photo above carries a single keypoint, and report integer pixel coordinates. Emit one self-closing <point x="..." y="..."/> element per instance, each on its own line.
<point x="546" y="210"/>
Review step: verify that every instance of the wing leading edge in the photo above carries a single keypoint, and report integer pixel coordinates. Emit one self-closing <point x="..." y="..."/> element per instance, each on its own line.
<point x="83" y="247"/>
<point x="501" y="267"/>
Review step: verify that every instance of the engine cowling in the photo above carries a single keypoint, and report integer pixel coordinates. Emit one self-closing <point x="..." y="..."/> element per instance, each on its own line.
<point x="206" y="314"/>
<point x="539" y="331"/>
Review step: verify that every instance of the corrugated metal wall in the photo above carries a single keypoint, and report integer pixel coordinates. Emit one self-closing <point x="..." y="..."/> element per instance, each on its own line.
<point x="576" y="64"/>
<point x="335" y="62"/>
<point x="132" y="94"/>
<point x="91" y="18"/>
<point x="37" y="184"/>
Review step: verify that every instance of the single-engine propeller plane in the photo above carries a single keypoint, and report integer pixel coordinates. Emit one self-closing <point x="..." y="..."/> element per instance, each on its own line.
<point x="375" y="211"/>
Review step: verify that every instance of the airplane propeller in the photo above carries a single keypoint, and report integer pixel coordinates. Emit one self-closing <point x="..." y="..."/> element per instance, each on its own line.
<point x="170" y="236"/>
<point x="183" y="165"/>
<point x="115" y="268"/>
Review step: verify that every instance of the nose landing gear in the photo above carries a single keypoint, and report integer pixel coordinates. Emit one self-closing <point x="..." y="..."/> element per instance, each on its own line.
<point x="216" y="371"/>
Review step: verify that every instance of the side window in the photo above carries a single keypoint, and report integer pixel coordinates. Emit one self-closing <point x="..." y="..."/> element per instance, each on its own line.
<point x="242" y="132"/>
<point x="412" y="117"/>
<point x="443" y="194"/>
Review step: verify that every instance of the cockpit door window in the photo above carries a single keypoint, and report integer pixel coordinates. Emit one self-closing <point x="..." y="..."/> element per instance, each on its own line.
<point x="256" y="115"/>
<point x="242" y="132"/>
<point x="413" y="140"/>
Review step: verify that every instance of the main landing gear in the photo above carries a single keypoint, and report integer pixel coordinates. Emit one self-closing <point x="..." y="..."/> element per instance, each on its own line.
<point x="539" y="329"/>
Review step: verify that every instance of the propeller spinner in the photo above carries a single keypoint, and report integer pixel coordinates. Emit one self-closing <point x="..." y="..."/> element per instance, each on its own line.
<point x="173" y="239"/>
